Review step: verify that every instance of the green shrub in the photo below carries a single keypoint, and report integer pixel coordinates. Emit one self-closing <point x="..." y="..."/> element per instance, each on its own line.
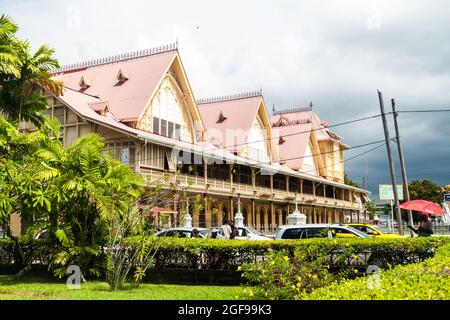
<point x="421" y="281"/>
<point x="283" y="277"/>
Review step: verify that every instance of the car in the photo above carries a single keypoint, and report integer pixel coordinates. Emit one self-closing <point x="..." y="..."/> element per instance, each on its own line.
<point x="372" y="231"/>
<point x="183" y="232"/>
<point x="246" y="233"/>
<point x="307" y="231"/>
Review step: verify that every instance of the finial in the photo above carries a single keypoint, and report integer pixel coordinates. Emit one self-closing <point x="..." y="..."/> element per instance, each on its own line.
<point x="311" y="104"/>
<point x="273" y="108"/>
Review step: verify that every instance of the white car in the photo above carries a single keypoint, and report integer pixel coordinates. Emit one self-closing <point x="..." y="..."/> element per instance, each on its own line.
<point x="183" y="232"/>
<point x="306" y="231"/>
<point x="247" y="233"/>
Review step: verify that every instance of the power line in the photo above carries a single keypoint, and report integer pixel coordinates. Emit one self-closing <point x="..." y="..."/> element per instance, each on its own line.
<point x="307" y="131"/>
<point x="424" y="111"/>
<point x="351" y="158"/>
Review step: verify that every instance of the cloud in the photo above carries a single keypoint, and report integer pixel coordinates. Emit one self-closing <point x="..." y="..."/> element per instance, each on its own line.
<point x="334" y="53"/>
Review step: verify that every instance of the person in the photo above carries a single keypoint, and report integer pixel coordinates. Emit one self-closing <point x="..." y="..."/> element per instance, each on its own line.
<point x="234" y="230"/>
<point x="425" y="229"/>
<point x="214" y="233"/>
<point x="226" y="229"/>
<point x="376" y="220"/>
<point x="195" y="233"/>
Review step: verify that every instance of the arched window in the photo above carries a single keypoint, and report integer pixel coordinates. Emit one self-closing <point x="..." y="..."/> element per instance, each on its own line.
<point x="257" y="143"/>
<point x="168" y="114"/>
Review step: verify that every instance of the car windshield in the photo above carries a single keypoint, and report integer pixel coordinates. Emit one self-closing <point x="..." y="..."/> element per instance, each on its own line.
<point x="254" y="231"/>
<point x="358" y="232"/>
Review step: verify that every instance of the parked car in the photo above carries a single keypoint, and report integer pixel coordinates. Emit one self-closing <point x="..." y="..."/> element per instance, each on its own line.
<point x="372" y="231"/>
<point x="246" y="233"/>
<point x="183" y="232"/>
<point x="307" y="231"/>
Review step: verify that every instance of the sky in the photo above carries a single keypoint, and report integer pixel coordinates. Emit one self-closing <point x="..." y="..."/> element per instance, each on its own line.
<point x="336" y="54"/>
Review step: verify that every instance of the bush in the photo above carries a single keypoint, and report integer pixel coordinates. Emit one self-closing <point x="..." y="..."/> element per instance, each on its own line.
<point x="421" y="281"/>
<point x="217" y="254"/>
<point x="228" y="255"/>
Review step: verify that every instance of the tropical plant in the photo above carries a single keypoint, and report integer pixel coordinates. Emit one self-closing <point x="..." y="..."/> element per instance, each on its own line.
<point x="9" y="61"/>
<point x="23" y="76"/>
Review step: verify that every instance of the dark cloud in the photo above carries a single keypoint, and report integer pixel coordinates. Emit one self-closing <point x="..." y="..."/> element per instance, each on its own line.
<point x="334" y="53"/>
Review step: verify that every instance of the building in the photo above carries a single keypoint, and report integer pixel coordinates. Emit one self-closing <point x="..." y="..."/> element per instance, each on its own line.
<point x="144" y="107"/>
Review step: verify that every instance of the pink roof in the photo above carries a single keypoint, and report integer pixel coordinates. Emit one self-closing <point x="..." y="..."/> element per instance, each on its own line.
<point x="126" y="100"/>
<point x="302" y="117"/>
<point x="232" y="133"/>
<point x="294" y="146"/>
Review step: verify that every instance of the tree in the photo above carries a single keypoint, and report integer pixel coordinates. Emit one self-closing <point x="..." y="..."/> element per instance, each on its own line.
<point x="9" y="61"/>
<point x="425" y="190"/>
<point x="24" y="76"/>
<point x="350" y="182"/>
<point x="372" y="209"/>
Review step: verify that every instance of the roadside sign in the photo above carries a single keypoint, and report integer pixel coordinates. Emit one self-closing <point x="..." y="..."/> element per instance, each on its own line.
<point x="386" y="192"/>
<point x="447" y="197"/>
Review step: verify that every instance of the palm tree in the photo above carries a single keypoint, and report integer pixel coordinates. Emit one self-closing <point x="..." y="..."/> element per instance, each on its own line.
<point x="9" y="61"/>
<point x="24" y="76"/>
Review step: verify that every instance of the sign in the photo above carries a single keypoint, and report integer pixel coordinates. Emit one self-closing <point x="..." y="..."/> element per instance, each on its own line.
<point x="386" y="192"/>
<point x="447" y="197"/>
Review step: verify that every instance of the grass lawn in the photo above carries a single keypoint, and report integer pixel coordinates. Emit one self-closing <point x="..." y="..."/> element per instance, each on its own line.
<point x="41" y="288"/>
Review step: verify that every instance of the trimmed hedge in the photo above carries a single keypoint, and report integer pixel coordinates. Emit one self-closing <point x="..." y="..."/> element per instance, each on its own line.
<point x="429" y="280"/>
<point x="213" y="254"/>
<point x="227" y="255"/>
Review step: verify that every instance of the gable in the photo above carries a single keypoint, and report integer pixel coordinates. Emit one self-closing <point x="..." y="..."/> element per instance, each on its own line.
<point x="261" y="143"/>
<point x="171" y="110"/>
<point x="309" y="163"/>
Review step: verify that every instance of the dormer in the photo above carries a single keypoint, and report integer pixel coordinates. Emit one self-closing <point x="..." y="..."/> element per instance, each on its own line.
<point x="221" y="118"/>
<point x="83" y="84"/>
<point x="121" y="76"/>
<point x="100" y="107"/>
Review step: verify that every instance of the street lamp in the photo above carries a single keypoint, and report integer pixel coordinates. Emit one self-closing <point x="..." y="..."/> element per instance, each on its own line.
<point x="187" y="216"/>
<point x="239" y="218"/>
<point x="296" y="218"/>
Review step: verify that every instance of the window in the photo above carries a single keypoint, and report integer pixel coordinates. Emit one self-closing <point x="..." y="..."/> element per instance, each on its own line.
<point x="256" y="143"/>
<point x="155" y="125"/>
<point x="125" y="155"/>
<point x="170" y="129"/>
<point x="292" y="234"/>
<point x="177" y="131"/>
<point x="317" y="233"/>
<point x="168" y="114"/>
<point x="163" y="128"/>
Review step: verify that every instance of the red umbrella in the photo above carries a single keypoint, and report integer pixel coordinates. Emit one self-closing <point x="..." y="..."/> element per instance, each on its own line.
<point x="423" y="206"/>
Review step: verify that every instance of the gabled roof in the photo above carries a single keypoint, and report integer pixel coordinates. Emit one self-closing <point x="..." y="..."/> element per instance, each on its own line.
<point x="294" y="146"/>
<point x="240" y="112"/>
<point x="126" y="99"/>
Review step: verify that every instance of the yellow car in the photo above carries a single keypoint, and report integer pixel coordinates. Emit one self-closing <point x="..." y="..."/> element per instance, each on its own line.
<point x="373" y="231"/>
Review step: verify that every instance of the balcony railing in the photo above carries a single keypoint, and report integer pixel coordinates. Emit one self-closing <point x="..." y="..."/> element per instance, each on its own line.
<point x="196" y="183"/>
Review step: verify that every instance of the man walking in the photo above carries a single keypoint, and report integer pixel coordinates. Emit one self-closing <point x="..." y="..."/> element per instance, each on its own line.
<point x="226" y="229"/>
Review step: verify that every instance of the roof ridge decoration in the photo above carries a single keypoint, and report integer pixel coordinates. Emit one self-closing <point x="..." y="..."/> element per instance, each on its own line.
<point x="118" y="58"/>
<point x="299" y="109"/>
<point x="237" y="96"/>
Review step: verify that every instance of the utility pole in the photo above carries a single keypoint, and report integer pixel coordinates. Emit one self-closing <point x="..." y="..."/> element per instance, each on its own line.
<point x="391" y="163"/>
<point x="402" y="163"/>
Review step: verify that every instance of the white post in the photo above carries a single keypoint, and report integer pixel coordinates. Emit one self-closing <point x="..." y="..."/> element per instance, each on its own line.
<point x="391" y="202"/>
<point x="187" y="216"/>
<point x="296" y="218"/>
<point x="239" y="218"/>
